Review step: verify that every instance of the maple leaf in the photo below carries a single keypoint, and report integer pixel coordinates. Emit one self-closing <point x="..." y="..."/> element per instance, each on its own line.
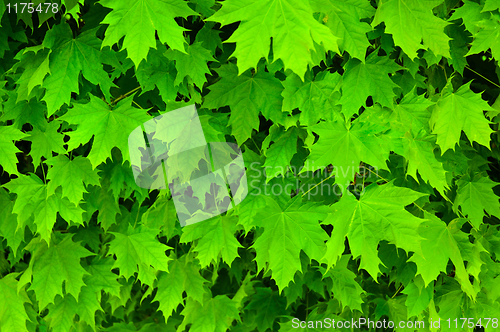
<point x="371" y="78"/>
<point x="440" y="244"/>
<point x="267" y="305"/>
<point x="33" y="199"/>
<point x="419" y="152"/>
<point x="288" y="229"/>
<point x="482" y="24"/>
<point x="87" y="306"/>
<point x="109" y="127"/>
<point x="247" y="95"/>
<point x="100" y="277"/>
<point x="70" y="175"/>
<point x="32" y="112"/>
<point x="8" y="150"/>
<point x="488" y="32"/>
<point x="58" y="265"/>
<point x="8" y="223"/>
<point x="13" y="315"/>
<point x="280" y="153"/>
<point x="61" y="313"/>
<point x="68" y="58"/>
<point x="316" y="99"/>
<point x="158" y="71"/>
<point x="343" y="18"/>
<point x="413" y="112"/>
<point x="138" y="21"/>
<point x="378" y="215"/>
<point x="216" y="314"/>
<point x="46" y="141"/>
<point x="35" y="62"/>
<point x="137" y="246"/>
<point x="183" y="276"/>
<point x="419" y="296"/>
<point x="410" y="22"/>
<point x="475" y="196"/>
<point x="345" y="147"/>
<point x="215" y="237"/>
<point x="101" y="199"/>
<point x="491" y="5"/>
<point x="192" y="63"/>
<point x="457" y="111"/>
<point x="343" y="284"/>
<point x="285" y="21"/>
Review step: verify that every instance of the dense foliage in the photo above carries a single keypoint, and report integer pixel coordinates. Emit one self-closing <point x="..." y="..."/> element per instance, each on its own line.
<point x="370" y="135"/>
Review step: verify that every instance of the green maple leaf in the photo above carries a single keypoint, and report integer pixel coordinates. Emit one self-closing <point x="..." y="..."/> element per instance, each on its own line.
<point x="101" y="278"/>
<point x="288" y="229"/>
<point x="101" y="199"/>
<point x="35" y="62"/>
<point x="32" y="112"/>
<point x="8" y="150"/>
<point x="343" y="18"/>
<point x="343" y="284"/>
<point x="45" y="141"/>
<point x="267" y="305"/>
<point x="158" y="71"/>
<point x="285" y="21"/>
<point x="88" y="304"/>
<point x="419" y="296"/>
<point x="410" y="22"/>
<point x="33" y="199"/>
<point x="471" y="15"/>
<point x="110" y="127"/>
<point x="378" y="215"/>
<point x="440" y="244"/>
<point x="204" y="7"/>
<point x="280" y="153"/>
<point x="216" y="314"/>
<point x="247" y="95"/>
<point x="183" y="276"/>
<point x="460" y="111"/>
<point x="361" y="80"/>
<point x="419" y="152"/>
<point x="13" y="315"/>
<point x="70" y="175"/>
<point x="413" y="112"/>
<point x="316" y="99"/>
<point x="491" y="5"/>
<point x="139" y="21"/>
<point x="58" y="265"/>
<point x="215" y="237"/>
<point x="482" y="24"/>
<point x="161" y="215"/>
<point x="61" y="313"/>
<point x="138" y="246"/>
<point x="68" y="58"/>
<point x="191" y="64"/>
<point x="487" y="37"/>
<point x="475" y="196"/>
<point x="8" y="223"/>
<point x="31" y="194"/>
<point x="345" y="147"/>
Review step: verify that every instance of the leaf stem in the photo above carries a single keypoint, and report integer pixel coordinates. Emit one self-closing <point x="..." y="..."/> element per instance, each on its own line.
<point x="485" y="78"/>
<point x="401" y="286"/>
<point x="317" y="185"/>
<point x="43" y="173"/>
<point x="125" y="95"/>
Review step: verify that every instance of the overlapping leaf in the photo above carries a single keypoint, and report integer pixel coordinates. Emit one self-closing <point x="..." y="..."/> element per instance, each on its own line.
<point x="285" y="21"/>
